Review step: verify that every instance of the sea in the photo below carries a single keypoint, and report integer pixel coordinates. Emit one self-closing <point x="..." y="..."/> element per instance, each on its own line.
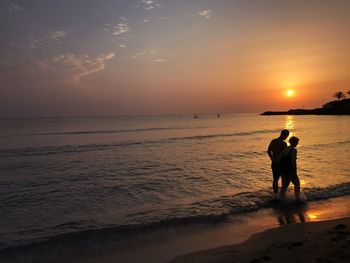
<point x="102" y="178"/>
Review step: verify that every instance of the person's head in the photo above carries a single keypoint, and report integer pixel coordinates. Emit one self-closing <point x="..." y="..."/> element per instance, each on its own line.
<point x="294" y="141"/>
<point x="284" y="134"/>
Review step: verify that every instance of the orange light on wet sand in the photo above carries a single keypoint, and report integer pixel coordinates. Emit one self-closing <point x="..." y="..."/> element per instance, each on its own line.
<point x="290" y="93"/>
<point x="312" y="216"/>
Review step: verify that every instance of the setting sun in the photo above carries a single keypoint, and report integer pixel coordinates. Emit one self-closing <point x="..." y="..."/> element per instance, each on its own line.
<point x="290" y="93"/>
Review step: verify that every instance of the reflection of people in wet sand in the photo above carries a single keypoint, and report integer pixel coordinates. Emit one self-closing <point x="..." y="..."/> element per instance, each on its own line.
<point x="274" y="150"/>
<point x="288" y="168"/>
<point x="291" y="214"/>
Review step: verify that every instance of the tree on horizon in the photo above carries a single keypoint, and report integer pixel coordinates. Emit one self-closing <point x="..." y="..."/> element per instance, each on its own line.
<point x="348" y="92"/>
<point x="339" y="95"/>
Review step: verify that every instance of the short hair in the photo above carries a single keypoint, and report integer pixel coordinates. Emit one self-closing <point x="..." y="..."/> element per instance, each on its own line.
<point x="294" y="141"/>
<point x="285" y="132"/>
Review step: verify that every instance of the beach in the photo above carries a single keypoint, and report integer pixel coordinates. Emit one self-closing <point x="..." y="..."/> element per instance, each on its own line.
<point x="261" y="236"/>
<point x="324" y="241"/>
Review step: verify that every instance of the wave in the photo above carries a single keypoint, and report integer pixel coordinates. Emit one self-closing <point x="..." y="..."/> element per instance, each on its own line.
<point x="210" y="136"/>
<point x="53" y="150"/>
<point x="97" y="132"/>
<point x="206" y="211"/>
<point x="330" y="144"/>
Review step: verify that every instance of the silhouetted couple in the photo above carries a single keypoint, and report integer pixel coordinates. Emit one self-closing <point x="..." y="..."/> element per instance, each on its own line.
<point x="284" y="164"/>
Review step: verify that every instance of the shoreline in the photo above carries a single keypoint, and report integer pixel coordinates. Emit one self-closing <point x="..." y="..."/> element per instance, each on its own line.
<point x="317" y="216"/>
<point x="337" y="107"/>
<point x="170" y="243"/>
<point x="322" y="241"/>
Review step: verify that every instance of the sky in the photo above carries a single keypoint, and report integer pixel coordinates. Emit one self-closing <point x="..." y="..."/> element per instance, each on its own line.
<point x="124" y="57"/>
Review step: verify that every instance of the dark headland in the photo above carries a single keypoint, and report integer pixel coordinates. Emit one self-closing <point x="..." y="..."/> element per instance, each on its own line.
<point x="336" y="107"/>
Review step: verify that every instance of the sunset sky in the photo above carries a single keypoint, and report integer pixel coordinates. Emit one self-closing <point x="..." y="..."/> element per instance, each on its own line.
<point x="73" y="58"/>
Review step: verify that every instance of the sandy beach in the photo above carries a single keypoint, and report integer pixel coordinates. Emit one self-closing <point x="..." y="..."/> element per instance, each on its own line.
<point x="324" y="241"/>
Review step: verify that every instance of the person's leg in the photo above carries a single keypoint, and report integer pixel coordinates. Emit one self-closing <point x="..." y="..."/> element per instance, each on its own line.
<point x="285" y="184"/>
<point x="296" y="182"/>
<point x="276" y="176"/>
<point x="275" y="184"/>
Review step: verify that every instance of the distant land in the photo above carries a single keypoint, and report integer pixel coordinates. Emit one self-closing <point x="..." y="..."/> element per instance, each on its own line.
<point x="336" y="107"/>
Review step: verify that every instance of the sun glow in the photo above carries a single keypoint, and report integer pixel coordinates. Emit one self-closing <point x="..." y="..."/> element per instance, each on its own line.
<point x="290" y="93"/>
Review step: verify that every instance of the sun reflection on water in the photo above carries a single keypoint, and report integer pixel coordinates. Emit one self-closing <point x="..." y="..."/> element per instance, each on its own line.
<point x="290" y="124"/>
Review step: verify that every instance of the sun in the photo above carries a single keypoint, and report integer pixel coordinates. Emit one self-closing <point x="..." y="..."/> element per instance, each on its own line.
<point x="290" y="93"/>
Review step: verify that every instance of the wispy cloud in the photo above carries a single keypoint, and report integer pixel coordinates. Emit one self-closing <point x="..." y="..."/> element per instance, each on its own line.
<point x="15" y="44"/>
<point x="149" y="4"/>
<point x="14" y="7"/>
<point x="121" y="28"/>
<point x="207" y="13"/>
<point x="144" y="53"/>
<point x="154" y="55"/>
<point x="57" y="35"/>
<point x="77" y="66"/>
<point x="160" y="60"/>
<point x="34" y="42"/>
<point x="47" y="37"/>
<point x="5" y="64"/>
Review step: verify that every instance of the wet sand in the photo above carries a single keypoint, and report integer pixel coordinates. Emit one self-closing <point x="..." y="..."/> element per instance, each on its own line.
<point x="324" y="241"/>
<point x="231" y="233"/>
<point x="294" y="233"/>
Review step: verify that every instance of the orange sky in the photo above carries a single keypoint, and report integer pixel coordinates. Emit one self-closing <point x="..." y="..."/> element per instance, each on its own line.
<point x="156" y="57"/>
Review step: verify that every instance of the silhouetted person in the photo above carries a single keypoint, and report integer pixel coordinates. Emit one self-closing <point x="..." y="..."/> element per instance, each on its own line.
<point x="274" y="151"/>
<point x="288" y="168"/>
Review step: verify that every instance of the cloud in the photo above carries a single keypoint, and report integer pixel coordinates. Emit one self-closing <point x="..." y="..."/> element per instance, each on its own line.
<point x="207" y="13"/>
<point x="77" y="66"/>
<point x="34" y="42"/>
<point x="120" y="29"/>
<point x="57" y="35"/>
<point x="14" y="7"/>
<point x="160" y="60"/>
<point x="149" y="4"/>
<point x="144" y="53"/>
<point x="5" y="64"/>
<point x="49" y="36"/>
<point x="14" y="44"/>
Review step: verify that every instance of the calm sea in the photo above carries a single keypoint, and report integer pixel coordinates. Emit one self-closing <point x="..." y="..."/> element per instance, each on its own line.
<point x="77" y="176"/>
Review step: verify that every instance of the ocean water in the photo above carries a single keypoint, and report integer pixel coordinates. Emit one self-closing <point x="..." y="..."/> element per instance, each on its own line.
<point x="72" y="177"/>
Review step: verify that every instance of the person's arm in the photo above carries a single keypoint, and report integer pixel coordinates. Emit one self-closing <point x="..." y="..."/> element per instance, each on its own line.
<point x="269" y="150"/>
<point x="294" y="160"/>
<point x="283" y="152"/>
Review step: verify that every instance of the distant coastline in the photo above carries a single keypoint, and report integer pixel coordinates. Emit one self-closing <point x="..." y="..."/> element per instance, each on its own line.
<point x="337" y="107"/>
